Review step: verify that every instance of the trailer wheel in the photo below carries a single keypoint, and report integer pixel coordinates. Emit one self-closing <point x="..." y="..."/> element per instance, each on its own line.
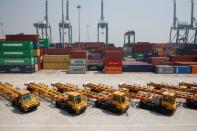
<point x="142" y="105"/>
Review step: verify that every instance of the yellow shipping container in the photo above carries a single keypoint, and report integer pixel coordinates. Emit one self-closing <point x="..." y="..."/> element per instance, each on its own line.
<point x="55" y="66"/>
<point x="56" y="59"/>
<point x="36" y="52"/>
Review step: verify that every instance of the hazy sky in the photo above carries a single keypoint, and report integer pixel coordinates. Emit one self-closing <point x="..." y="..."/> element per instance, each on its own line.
<point x="151" y="19"/>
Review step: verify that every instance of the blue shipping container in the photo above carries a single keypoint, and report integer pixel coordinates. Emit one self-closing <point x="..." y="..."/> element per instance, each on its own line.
<point x="182" y="69"/>
<point x="137" y="68"/>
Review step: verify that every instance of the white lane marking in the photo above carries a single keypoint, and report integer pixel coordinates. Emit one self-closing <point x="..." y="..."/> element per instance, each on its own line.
<point x="136" y="125"/>
<point x="181" y="116"/>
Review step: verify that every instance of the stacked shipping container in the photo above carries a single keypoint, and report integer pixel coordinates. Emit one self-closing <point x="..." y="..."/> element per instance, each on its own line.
<point x="78" y="62"/>
<point x="56" y="62"/>
<point x="19" y="53"/>
<point x="113" y="60"/>
<point x="95" y="61"/>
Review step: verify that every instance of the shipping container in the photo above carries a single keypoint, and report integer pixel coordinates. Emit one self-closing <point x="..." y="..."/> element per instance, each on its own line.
<point x="137" y="67"/>
<point x="182" y="69"/>
<point x="56" y="59"/>
<point x="194" y="69"/>
<point x="185" y="58"/>
<point x="17" y="68"/>
<point x="157" y="60"/>
<point x="22" y="37"/>
<point x="16" y="45"/>
<point x="44" y="43"/>
<point x="113" y="54"/>
<point x="16" y="53"/>
<point x="36" y="52"/>
<point x="78" y="62"/>
<point x="55" y="66"/>
<point x="18" y="61"/>
<point x="77" y="70"/>
<point x="112" y="62"/>
<point x="95" y="67"/>
<point x="112" y="70"/>
<point x="164" y="69"/>
<point x="78" y="54"/>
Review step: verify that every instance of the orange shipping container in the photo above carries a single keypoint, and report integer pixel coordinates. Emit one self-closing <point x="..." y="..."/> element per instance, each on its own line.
<point x="113" y="70"/>
<point x="194" y="69"/>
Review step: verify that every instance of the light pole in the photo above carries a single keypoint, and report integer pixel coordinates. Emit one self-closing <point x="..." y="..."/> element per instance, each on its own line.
<point x="88" y="32"/>
<point x="79" y="7"/>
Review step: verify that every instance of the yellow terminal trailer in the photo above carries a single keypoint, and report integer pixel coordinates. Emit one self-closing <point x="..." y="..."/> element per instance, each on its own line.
<point x="157" y="100"/>
<point x="184" y="90"/>
<point x="71" y="101"/>
<point x="115" y="102"/>
<point x="22" y="99"/>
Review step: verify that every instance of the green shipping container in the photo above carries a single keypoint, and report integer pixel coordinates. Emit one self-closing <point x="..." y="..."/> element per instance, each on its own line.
<point x="44" y="43"/>
<point x="16" y="45"/>
<point x="137" y="55"/>
<point x="17" y="61"/>
<point x="36" y="60"/>
<point x="16" y="53"/>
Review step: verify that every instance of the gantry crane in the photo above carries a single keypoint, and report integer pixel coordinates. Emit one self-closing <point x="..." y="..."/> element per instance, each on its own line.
<point x="65" y="25"/>
<point x="43" y="28"/>
<point x="21" y="99"/>
<point x="102" y="24"/>
<point x="182" y="31"/>
<point x="113" y="101"/>
<point x="71" y="101"/>
<point x="127" y="38"/>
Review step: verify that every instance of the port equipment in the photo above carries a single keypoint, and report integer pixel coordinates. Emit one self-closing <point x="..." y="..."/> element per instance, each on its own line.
<point x="43" y="28"/>
<point x="160" y="101"/>
<point x="73" y="102"/>
<point x="102" y="25"/>
<point x="65" y="25"/>
<point x="189" y="85"/>
<point x="182" y="32"/>
<point x="177" y="88"/>
<point x="189" y="93"/>
<point x="115" y="102"/>
<point x="129" y="38"/>
<point x="21" y="99"/>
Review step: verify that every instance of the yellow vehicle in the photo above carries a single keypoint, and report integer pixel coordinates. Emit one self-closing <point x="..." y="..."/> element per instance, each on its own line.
<point x="22" y="99"/>
<point x="158" y="100"/>
<point x="73" y="102"/>
<point x="115" y="101"/>
<point x="187" y="91"/>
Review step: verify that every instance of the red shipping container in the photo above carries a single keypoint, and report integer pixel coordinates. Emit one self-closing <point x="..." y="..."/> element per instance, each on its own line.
<point x="157" y="60"/>
<point x="78" y="54"/>
<point x="194" y="69"/>
<point x="113" y="54"/>
<point x="192" y="52"/>
<point x="185" y="58"/>
<point x="21" y="37"/>
<point x="112" y="70"/>
<point x="58" y="51"/>
<point x="141" y="47"/>
<point x="39" y="62"/>
<point x="113" y="62"/>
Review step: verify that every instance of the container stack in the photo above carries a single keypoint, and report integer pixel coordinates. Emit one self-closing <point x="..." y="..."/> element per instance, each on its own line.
<point x="17" y="57"/>
<point x="157" y="60"/>
<point x="113" y="61"/>
<point x="95" y="61"/>
<point x="19" y="53"/>
<point x="56" y="62"/>
<point x="161" y="49"/>
<point x="78" y="62"/>
<point x="140" y="48"/>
